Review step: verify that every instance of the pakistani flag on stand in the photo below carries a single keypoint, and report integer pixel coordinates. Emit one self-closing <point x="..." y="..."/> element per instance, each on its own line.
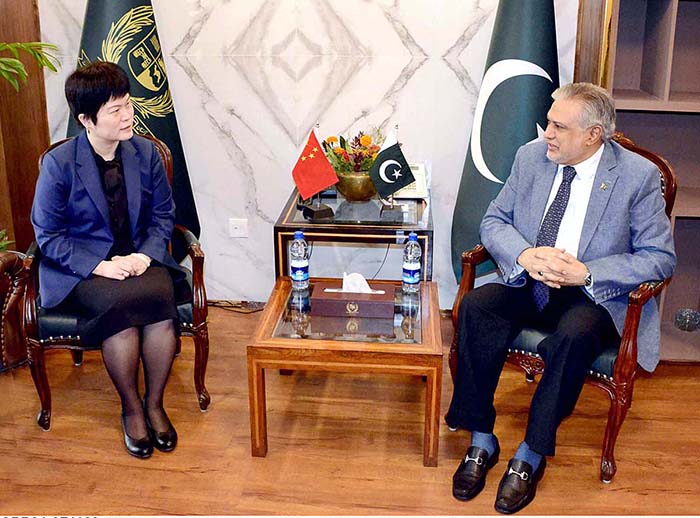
<point x="511" y="110"/>
<point x="124" y="33"/>
<point x="390" y="171"/>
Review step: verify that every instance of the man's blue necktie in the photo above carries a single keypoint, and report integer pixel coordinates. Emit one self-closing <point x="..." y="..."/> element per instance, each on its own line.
<point x="549" y="229"/>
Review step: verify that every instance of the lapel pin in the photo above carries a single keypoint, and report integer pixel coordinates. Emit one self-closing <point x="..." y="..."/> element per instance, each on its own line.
<point x="603" y="186"/>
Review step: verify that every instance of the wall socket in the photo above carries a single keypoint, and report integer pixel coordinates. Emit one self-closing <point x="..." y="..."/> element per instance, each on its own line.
<point x="238" y="227"/>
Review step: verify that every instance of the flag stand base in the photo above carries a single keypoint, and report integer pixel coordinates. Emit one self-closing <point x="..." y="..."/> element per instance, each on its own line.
<point x="317" y="212"/>
<point x="393" y="214"/>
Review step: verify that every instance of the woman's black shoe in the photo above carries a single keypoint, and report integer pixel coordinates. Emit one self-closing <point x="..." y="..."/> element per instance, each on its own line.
<point x="141" y="448"/>
<point x="164" y="441"/>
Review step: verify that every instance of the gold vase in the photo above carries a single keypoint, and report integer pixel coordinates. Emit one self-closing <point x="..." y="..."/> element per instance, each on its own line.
<point x="355" y="186"/>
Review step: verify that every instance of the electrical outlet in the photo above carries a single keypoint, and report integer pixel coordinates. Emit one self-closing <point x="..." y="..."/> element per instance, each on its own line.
<point x="238" y="227"/>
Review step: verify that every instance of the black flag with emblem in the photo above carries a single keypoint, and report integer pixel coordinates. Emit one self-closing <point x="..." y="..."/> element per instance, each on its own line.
<point x="520" y="75"/>
<point x="390" y="171"/>
<point x="124" y="33"/>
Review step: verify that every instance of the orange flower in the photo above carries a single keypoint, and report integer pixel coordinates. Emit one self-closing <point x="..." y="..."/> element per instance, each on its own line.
<point x="355" y="154"/>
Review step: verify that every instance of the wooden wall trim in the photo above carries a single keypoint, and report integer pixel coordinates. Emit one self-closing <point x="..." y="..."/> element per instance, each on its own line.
<point x="595" y="40"/>
<point x="23" y="119"/>
<point x="5" y="204"/>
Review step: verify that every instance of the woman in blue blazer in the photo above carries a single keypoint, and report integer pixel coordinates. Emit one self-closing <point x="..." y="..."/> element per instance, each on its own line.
<point x="103" y="214"/>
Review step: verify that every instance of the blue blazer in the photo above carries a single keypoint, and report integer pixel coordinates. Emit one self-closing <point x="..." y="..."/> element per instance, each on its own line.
<point x="71" y="218"/>
<point x="626" y="237"/>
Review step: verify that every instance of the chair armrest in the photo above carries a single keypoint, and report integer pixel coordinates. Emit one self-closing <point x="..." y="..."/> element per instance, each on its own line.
<point x="32" y="251"/>
<point x="199" y="294"/>
<point x="646" y="291"/>
<point x="470" y="260"/>
<point x="11" y="264"/>
<point x="13" y="278"/>
<point x="29" y="315"/>
<point x="626" y="363"/>
<point x="190" y="239"/>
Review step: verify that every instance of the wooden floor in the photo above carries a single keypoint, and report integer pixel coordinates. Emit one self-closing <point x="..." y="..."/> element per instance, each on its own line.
<point x="339" y="444"/>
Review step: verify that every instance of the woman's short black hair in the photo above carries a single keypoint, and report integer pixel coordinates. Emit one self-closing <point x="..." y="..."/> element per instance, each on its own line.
<point x="92" y="85"/>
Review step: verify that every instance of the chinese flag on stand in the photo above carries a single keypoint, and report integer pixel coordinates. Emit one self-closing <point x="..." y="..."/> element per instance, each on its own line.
<point x="313" y="172"/>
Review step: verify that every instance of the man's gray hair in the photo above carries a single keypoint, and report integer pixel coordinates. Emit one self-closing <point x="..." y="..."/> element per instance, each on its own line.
<point x="598" y="105"/>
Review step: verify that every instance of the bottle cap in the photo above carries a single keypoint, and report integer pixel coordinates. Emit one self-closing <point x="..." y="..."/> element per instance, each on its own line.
<point x="413" y="236"/>
<point x="298" y="234"/>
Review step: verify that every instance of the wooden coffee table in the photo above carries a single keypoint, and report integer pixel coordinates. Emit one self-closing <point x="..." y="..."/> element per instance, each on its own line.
<point x="287" y="337"/>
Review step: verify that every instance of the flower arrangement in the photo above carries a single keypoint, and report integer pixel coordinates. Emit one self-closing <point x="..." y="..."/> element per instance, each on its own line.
<point x="355" y="155"/>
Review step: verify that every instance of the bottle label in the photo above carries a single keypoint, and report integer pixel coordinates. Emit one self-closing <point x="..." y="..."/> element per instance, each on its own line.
<point x="301" y="304"/>
<point x="411" y="273"/>
<point x="300" y="270"/>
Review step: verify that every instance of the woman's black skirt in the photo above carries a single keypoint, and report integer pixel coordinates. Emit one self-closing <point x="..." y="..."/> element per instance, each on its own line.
<point x="108" y="306"/>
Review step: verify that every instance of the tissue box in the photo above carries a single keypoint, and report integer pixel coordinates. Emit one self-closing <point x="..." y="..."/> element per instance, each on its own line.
<point x="352" y="326"/>
<point x="359" y="305"/>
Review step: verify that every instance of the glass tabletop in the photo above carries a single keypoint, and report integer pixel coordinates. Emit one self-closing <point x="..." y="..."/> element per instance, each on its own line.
<point x="408" y="212"/>
<point x="297" y="322"/>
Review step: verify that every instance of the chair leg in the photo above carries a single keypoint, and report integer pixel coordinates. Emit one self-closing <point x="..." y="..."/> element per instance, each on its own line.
<point x="77" y="357"/>
<point x="619" y="405"/>
<point x="201" y="357"/>
<point x="41" y="382"/>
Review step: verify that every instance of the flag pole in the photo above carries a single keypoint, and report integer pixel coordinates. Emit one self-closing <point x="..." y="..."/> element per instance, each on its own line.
<point x="317" y="196"/>
<point x="314" y="210"/>
<point x="392" y="212"/>
<point x="391" y="196"/>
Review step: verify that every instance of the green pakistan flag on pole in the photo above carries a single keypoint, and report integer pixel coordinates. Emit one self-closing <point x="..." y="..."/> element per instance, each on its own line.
<point x="520" y="75"/>
<point x="124" y="33"/>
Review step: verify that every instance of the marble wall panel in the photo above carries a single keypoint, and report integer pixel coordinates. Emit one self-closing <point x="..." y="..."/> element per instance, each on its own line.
<point x="250" y="78"/>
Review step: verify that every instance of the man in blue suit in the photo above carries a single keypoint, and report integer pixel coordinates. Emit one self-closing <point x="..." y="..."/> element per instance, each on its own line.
<point x="579" y="223"/>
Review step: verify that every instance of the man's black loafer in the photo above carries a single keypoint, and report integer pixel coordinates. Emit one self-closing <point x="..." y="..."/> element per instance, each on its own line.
<point x="518" y="486"/>
<point x="470" y="477"/>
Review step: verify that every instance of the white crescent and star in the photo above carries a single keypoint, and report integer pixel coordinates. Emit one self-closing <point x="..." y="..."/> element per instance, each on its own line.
<point x="382" y="171"/>
<point x="494" y="76"/>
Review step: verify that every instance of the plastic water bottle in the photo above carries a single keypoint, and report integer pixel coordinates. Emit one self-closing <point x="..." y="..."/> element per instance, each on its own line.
<point x="411" y="264"/>
<point x="299" y="252"/>
<point x="409" y="314"/>
<point x="299" y="309"/>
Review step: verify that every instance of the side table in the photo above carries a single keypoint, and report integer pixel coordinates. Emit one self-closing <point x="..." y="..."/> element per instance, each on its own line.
<point x="287" y="337"/>
<point x="355" y="223"/>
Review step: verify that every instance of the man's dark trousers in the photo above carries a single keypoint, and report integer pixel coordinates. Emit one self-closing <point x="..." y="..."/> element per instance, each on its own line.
<point x="489" y="318"/>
